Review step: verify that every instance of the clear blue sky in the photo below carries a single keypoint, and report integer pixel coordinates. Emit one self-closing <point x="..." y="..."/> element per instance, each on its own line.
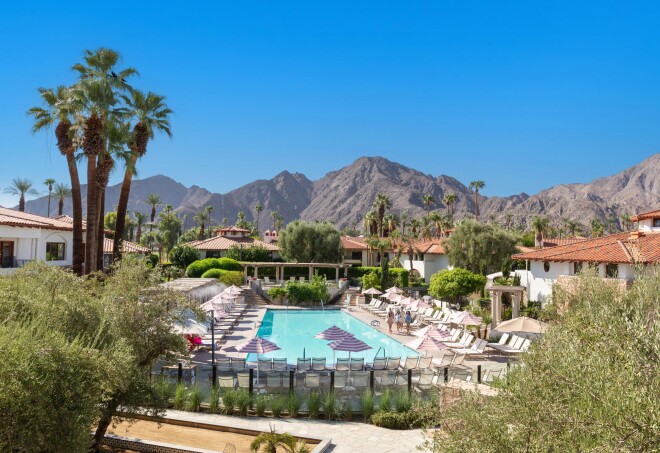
<point x="523" y="95"/>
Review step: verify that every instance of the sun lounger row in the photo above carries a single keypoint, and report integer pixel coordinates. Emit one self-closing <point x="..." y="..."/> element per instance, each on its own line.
<point x="511" y="345"/>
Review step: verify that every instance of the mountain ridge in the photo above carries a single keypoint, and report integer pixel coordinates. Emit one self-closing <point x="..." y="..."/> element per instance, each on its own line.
<point x="343" y="196"/>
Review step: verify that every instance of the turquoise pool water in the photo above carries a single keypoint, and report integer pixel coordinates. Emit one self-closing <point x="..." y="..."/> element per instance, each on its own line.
<point x="294" y="331"/>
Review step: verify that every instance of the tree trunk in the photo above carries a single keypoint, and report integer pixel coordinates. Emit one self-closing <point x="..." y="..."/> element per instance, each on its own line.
<point x="476" y="205"/>
<point x="122" y="206"/>
<point x="49" y="193"/>
<point x="21" y="203"/>
<point x="101" y="228"/>
<point x="104" y="423"/>
<point x="76" y="202"/>
<point x="92" y="215"/>
<point x="138" y="233"/>
<point x="60" y="207"/>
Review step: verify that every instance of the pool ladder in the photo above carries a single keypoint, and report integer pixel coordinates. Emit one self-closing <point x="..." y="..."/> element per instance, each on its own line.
<point x="383" y="348"/>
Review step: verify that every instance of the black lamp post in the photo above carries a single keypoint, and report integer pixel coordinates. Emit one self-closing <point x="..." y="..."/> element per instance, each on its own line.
<point x="214" y="371"/>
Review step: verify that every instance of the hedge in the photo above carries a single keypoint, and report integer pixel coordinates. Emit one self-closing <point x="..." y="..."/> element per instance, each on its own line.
<point x="199" y="267"/>
<point x="213" y="273"/>
<point x="397" y="420"/>
<point x="227" y="277"/>
<point x="397" y="275"/>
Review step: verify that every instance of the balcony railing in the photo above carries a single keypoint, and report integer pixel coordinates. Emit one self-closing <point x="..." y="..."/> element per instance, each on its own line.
<point x="9" y="262"/>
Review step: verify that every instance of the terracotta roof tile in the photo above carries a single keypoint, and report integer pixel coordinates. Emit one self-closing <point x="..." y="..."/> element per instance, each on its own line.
<point x="127" y="247"/>
<point x="225" y="243"/>
<point x="12" y="217"/>
<point x="646" y="215"/>
<point x="353" y="243"/>
<point x="615" y="248"/>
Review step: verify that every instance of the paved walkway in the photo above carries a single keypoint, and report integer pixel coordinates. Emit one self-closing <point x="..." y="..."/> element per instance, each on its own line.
<point x="345" y="437"/>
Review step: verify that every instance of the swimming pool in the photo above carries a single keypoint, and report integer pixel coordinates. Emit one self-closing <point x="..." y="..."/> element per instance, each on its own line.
<point x="294" y="330"/>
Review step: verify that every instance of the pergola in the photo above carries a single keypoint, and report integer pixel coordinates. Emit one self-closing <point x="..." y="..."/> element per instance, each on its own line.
<point x="496" y="293"/>
<point x="279" y="268"/>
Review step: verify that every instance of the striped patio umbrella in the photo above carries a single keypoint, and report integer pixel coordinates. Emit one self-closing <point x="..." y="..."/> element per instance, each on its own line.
<point x="333" y="333"/>
<point x="258" y="346"/>
<point x="394" y="289"/>
<point x="465" y="318"/>
<point x="350" y="344"/>
<point x="433" y="332"/>
<point x="217" y="308"/>
<point x="427" y="344"/>
<point x="372" y="291"/>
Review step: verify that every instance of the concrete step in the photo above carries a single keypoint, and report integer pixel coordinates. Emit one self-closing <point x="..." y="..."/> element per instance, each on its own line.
<point x="252" y="298"/>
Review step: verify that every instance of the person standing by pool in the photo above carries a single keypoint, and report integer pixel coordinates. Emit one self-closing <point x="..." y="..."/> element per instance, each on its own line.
<point x="397" y="320"/>
<point x="408" y="320"/>
<point x="390" y="319"/>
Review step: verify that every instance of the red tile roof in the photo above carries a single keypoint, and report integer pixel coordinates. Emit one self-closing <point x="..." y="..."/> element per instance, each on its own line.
<point x="353" y="243"/>
<point x="127" y="247"/>
<point x="646" y="215"/>
<point x="430" y="247"/>
<point x="225" y="243"/>
<point x="232" y="229"/>
<point x="554" y="242"/>
<point x="615" y="248"/>
<point x="12" y="217"/>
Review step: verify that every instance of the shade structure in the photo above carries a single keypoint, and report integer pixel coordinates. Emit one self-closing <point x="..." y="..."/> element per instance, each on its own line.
<point x="372" y="291"/>
<point x="426" y="343"/>
<point x="333" y="333"/>
<point x="257" y="345"/>
<point x="350" y="344"/>
<point x="407" y="301"/>
<point x="217" y="308"/>
<point x="234" y="290"/>
<point x="190" y="326"/>
<point x="394" y="289"/>
<point x="433" y="332"/>
<point x="395" y="297"/>
<point x="522" y="324"/>
<point x="222" y="298"/>
<point x="466" y="318"/>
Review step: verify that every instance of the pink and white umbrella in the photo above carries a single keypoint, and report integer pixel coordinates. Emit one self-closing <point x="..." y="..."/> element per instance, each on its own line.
<point x="407" y="301"/>
<point x="258" y="346"/>
<point x="433" y="332"/>
<point x="350" y="344"/>
<point x="394" y="289"/>
<point x="395" y="297"/>
<point x="465" y="318"/>
<point x="372" y="291"/>
<point x="217" y="308"/>
<point x="235" y="290"/>
<point x="426" y="343"/>
<point x="333" y="333"/>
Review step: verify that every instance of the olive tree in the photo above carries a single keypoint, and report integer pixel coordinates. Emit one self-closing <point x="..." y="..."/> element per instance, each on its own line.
<point x="479" y="248"/>
<point x="305" y="242"/>
<point x="590" y="384"/>
<point x="455" y="283"/>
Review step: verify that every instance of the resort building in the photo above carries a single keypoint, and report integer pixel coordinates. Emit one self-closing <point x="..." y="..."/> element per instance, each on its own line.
<point x="614" y="257"/>
<point x="230" y="238"/>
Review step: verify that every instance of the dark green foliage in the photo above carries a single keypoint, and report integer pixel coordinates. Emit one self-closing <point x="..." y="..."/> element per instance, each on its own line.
<point x="396" y="420"/>
<point x="229" y="401"/>
<point x="307" y="293"/>
<point x="330" y="406"/>
<point x="277" y="405"/>
<point x="193" y="399"/>
<point x="367" y="403"/>
<point x="314" y="404"/>
<point x="455" y="283"/>
<point x="253" y="254"/>
<point x="182" y="256"/>
<point x="152" y="260"/>
<point x="397" y="276"/>
<point x="305" y="242"/>
<point x="213" y="273"/>
<point x="293" y="404"/>
<point x="197" y="269"/>
<point x="243" y="401"/>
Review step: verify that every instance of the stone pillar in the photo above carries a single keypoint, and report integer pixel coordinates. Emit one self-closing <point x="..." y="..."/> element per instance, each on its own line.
<point x="311" y="273"/>
<point x="256" y="271"/>
<point x="337" y="275"/>
<point x="494" y="309"/>
<point x="515" y="305"/>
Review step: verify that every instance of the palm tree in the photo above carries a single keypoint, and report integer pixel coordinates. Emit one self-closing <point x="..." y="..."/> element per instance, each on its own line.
<point x="153" y="200"/>
<point x="258" y="208"/>
<point x="391" y="222"/>
<point x="625" y="221"/>
<point x="438" y="222"/>
<point x="372" y="244"/>
<point x="450" y="200"/>
<point x="540" y="226"/>
<point x="476" y="185"/>
<point x="597" y="228"/>
<point x="279" y="222"/>
<point x="381" y="203"/>
<point x="21" y="187"/>
<point x="240" y="220"/>
<point x="152" y="115"/>
<point x="61" y="109"/>
<point x="48" y="182"/>
<point x="140" y="217"/>
<point x="272" y="440"/>
<point x="98" y="93"/>
<point x="61" y="192"/>
<point x="428" y="200"/>
<point x="507" y="220"/>
<point x="201" y="217"/>
<point x="404" y="220"/>
<point x="426" y="228"/>
<point x="274" y="216"/>
<point x="371" y="222"/>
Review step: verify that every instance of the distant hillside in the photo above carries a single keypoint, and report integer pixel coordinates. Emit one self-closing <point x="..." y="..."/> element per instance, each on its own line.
<point x="343" y="196"/>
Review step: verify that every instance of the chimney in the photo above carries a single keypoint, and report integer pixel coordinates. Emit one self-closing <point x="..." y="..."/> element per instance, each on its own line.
<point x="636" y="234"/>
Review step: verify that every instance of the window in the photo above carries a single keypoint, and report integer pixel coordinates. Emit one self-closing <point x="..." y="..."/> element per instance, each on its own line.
<point x="577" y="268"/>
<point x="356" y="255"/>
<point x="546" y="266"/>
<point x="656" y="222"/>
<point x="55" y="251"/>
<point x="611" y="270"/>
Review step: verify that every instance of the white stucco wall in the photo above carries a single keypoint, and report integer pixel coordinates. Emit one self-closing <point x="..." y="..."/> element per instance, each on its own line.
<point x="431" y="265"/>
<point x="30" y="243"/>
<point x="646" y="225"/>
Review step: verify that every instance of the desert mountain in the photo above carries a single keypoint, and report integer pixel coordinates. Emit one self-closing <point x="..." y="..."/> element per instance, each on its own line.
<point x="345" y="195"/>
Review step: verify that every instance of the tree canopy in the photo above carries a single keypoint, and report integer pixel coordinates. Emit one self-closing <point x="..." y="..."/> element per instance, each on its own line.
<point x="479" y="248"/>
<point x="590" y="384"/>
<point x="455" y="283"/>
<point x="305" y="242"/>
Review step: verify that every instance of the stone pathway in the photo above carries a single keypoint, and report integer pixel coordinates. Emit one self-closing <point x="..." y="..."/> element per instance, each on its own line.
<point x="345" y="437"/>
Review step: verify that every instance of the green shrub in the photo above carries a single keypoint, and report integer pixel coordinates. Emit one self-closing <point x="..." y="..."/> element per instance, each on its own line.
<point x="385" y="402"/>
<point x="396" y="420"/>
<point x="152" y="260"/>
<point x="307" y="293"/>
<point x="398" y="277"/>
<point x="330" y="406"/>
<point x="367" y="403"/>
<point x="277" y="405"/>
<point x="347" y="410"/>
<point x="199" y="267"/>
<point x="229" y="402"/>
<point x="371" y="280"/>
<point x="183" y="255"/>
<point x="194" y="399"/>
<point x="214" y="401"/>
<point x="180" y="397"/>
<point x="213" y="273"/>
<point x="232" y="278"/>
<point x="294" y="404"/>
<point x="402" y="401"/>
<point x="260" y="404"/>
<point x="277" y="293"/>
<point x="164" y="389"/>
<point x="313" y="404"/>
<point x="243" y="401"/>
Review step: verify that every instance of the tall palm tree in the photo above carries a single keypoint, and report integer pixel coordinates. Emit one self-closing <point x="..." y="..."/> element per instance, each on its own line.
<point x="476" y="185"/>
<point x="404" y="221"/>
<point x="240" y="220"/>
<point x="438" y="222"/>
<point x="279" y="222"/>
<point x="153" y="200"/>
<point x="391" y="223"/>
<point x="49" y="182"/>
<point x="61" y="108"/>
<point x="625" y="221"/>
<point x="381" y="203"/>
<point x="258" y="208"/>
<point x="428" y="200"/>
<point x="152" y="115"/>
<point x="201" y="218"/>
<point x="140" y="217"/>
<point x="371" y="222"/>
<point x="597" y="228"/>
<point x="21" y="188"/>
<point x="450" y="200"/>
<point x="426" y="228"/>
<point x="98" y="90"/>
<point x="61" y="192"/>
<point x="540" y="226"/>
